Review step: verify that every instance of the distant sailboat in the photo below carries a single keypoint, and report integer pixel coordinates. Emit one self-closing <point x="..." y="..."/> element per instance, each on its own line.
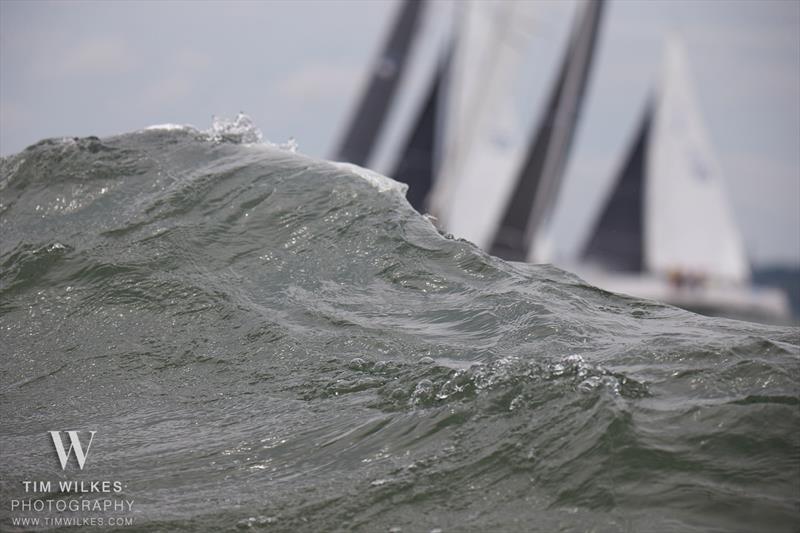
<point x="666" y="231"/>
<point x="529" y="207"/>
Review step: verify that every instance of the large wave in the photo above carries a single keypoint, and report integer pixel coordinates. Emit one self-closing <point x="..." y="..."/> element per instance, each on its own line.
<point x="263" y="339"/>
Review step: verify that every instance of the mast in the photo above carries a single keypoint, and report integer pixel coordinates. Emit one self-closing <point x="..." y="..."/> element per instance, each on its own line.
<point x="532" y="200"/>
<point x="359" y="140"/>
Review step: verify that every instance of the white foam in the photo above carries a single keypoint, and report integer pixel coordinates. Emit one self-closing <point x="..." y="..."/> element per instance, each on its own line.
<point x="241" y="129"/>
<point x="380" y="182"/>
<point x="170" y="127"/>
<point x="290" y="145"/>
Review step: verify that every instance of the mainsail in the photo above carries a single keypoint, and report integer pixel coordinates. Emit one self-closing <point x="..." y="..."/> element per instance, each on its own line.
<point x="359" y="140"/>
<point x="534" y="195"/>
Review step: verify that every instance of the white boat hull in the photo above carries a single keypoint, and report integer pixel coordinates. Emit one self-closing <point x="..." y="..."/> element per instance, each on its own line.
<point x="740" y="301"/>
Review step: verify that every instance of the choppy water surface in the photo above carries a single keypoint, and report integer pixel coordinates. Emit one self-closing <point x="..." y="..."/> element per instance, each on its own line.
<point x="263" y="340"/>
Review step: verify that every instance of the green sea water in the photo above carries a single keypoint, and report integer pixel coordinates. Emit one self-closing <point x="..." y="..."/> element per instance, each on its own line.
<point x="266" y="341"/>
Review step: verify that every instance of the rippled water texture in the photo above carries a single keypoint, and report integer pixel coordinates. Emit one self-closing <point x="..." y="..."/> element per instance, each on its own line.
<point x="263" y="340"/>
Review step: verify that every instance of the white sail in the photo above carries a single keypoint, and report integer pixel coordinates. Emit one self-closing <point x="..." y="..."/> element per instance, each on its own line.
<point x="480" y="153"/>
<point x="688" y="224"/>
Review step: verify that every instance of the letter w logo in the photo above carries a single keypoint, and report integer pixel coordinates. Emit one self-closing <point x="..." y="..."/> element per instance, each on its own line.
<point x="74" y="444"/>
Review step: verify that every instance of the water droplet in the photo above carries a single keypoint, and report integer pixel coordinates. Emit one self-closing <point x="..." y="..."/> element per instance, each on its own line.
<point x="398" y="394"/>
<point x="589" y="385"/>
<point x="423" y="391"/>
<point x="357" y="364"/>
<point x="515" y="403"/>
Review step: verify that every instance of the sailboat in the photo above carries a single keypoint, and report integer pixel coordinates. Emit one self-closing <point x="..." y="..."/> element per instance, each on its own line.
<point x="521" y="232"/>
<point x="666" y="231"/>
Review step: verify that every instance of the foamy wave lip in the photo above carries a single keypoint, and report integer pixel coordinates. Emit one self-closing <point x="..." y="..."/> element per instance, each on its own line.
<point x="243" y="130"/>
<point x="170" y="127"/>
<point x="240" y="130"/>
<point x="379" y="181"/>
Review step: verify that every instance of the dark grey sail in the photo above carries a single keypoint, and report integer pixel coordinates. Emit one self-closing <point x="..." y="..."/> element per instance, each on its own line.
<point x="541" y="175"/>
<point x="416" y="166"/>
<point x="617" y="242"/>
<point x="359" y="140"/>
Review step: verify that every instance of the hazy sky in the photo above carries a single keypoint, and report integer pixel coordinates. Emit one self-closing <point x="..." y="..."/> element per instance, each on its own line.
<point x="296" y="67"/>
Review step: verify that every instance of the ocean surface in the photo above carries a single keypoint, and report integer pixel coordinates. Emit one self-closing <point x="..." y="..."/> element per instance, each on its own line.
<point x="266" y="341"/>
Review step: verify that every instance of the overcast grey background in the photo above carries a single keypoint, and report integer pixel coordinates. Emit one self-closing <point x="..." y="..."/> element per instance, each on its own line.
<point x="296" y="67"/>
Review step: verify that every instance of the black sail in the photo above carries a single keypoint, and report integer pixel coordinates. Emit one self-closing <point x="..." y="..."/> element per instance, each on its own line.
<point x="416" y="166"/>
<point x="541" y="175"/>
<point x="359" y="140"/>
<point x="617" y="242"/>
